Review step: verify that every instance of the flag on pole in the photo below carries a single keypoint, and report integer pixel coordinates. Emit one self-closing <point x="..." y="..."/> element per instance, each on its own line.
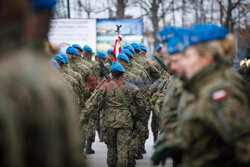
<point x="118" y="39"/>
<point x="117" y="46"/>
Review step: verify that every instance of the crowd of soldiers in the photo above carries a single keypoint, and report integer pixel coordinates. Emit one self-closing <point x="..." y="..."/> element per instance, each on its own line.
<point x="51" y="103"/>
<point x="114" y="96"/>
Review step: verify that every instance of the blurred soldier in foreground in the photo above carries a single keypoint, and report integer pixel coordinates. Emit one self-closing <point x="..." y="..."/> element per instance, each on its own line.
<point x="39" y="124"/>
<point x="214" y="126"/>
<point x="116" y="96"/>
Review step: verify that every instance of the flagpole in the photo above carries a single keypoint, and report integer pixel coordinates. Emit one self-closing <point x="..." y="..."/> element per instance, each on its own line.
<point x="68" y="9"/>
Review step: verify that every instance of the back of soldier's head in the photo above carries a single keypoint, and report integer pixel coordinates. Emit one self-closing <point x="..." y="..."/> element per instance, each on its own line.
<point x="13" y="11"/>
<point x="28" y="19"/>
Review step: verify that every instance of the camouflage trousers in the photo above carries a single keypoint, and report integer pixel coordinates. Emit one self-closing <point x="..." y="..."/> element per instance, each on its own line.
<point x="90" y="131"/>
<point x="118" y="142"/>
<point x="136" y="141"/>
<point x="155" y="124"/>
<point x="144" y="131"/>
<point x="92" y="126"/>
<point x="83" y="137"/>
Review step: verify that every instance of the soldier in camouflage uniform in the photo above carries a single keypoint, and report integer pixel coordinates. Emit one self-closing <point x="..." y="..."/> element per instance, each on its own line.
<point x="153" y="74"/>
<point x="77" y="87"/>
<point x="138" y="133"/>
<point x="84" y="61"/>
<point x="134" y="63"/>
<point x="39" y="124"/>
<point x="214" y="126"/>
<point x="113" y="96"/>
<point x="87" y="56"/>
<point x="142" y="81"/>
<point x="147" y="64"/>
<point x="110" y="57"/>
<point x="160" y="88"/>
<point x="77" y="66"/>
<point x="159" y="55"/>
<point x="94" y="122"/>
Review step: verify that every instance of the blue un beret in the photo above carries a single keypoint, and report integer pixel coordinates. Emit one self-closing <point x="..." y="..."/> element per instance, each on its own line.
<point x="77" y="46"/>
<point x="73" y="51"/>
<point x="59" y="57"/>
<point x="136" y="46"/>
<point x="176" y="45"/>
<point x="129" y="47"/>
<point x="159" y="47"/>
<point x="65" y="57"/>
<point x="110" y="51"/>
<point x="117" y="67"/>
<point x="54" y="63"/>
<point x="180" y="41"/>
<point x="207" y="32"/>
<point x="87" y="48"/>
<point x="166" y="34"/>
<point x="143" y="47"/>
<point x="43" y="4"/>
<point x="102" y="54"/>
<point x="123" y="56"/>
<point x="127" y="52"/>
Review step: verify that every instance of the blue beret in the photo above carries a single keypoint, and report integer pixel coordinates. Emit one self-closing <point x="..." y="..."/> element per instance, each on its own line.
<point x="65" y="57"/>
<point x="110" y="51"/>
<point x="165" y="34"/>
<point x="117" y="67"/>
<point x="43" y="4"/>
<point x="77" y="46"/>
<point x="176" y="45"/>
<point x="136" y="46"/>
<point x="54" y="63"/>
<point x="143" y="47"/>
<point x="159" y="47"/>
<point x="207" y="32"/>
<point x="87" y="48"/>
<point x="73" y="51"/>
<point x="59" y="57"/>
<point x="127" y="52"/>
<point x="129" y="47"/>
<point x="102" y="54"/>
<point x="123" y="56"/>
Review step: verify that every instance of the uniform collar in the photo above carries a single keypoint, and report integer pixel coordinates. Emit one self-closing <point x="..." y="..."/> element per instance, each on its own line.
<point x="202" y="78"/>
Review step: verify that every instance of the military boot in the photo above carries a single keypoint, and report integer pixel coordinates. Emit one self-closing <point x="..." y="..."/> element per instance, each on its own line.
<point x="143" y="150"/>
<point x="138" y="156"/>
<point x="89" y="150"/>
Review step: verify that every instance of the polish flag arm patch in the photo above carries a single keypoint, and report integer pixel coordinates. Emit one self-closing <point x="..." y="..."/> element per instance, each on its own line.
<point x="219" y="95"/>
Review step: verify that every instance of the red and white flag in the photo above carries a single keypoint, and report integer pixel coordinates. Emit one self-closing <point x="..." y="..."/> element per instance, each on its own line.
<point x="117" y="46"/>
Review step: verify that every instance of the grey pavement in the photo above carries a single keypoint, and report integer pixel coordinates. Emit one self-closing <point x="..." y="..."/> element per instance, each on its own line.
<point x="99" y="158"/>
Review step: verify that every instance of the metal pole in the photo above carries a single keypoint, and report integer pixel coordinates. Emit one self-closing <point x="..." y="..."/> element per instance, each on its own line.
<point x="68" y="8"/>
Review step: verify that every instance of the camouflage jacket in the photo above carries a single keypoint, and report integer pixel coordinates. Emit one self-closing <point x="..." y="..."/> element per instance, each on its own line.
<point x="158" y="91"/>
<point x="82" y="91"/>
<point x="115" y="113"/>
<point x="148" y="65"/>
<point x="169" y="112"/>
<point x="96" y="69"/>
<point x="160" y="69"/>
<point x="74" y="88"/>
<point x="214" y="124"/>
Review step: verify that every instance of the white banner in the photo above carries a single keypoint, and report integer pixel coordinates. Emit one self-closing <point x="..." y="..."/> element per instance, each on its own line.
<point x="66" y="32"/>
